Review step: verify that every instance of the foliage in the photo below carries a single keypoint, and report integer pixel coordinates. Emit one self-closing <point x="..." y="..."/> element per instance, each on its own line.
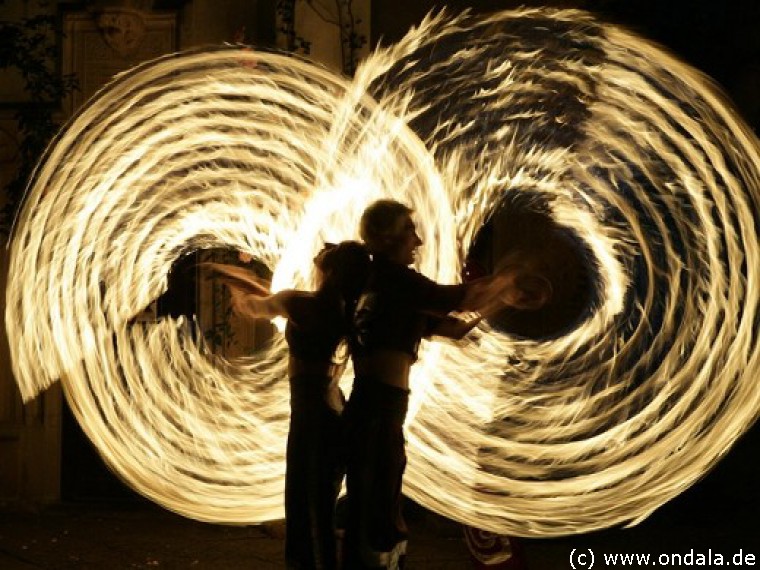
<point x="31" y="47"/>
<point x="347" y="23"/>
<point x="286" y="13"/>
<point x="219" y="334"/>
<point x="351" y="40"/>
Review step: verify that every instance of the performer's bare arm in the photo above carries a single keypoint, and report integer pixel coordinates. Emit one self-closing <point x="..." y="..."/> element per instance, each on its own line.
<point x="455" y="327"/>
<point x="254" y="306"/>
<point x="238" y="276"/>
<point x="249" y="295"/>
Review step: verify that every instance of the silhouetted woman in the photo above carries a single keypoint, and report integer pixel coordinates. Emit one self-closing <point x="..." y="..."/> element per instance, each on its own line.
<point x="317" y="323"/>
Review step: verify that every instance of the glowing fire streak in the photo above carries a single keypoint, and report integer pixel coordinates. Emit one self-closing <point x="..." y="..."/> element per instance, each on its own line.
<point x="265" y="153"/>
<point x="223" y="148"/>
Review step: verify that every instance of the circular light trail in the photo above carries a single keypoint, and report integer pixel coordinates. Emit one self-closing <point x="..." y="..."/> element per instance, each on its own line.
<point x="639" y="157"/>
<point x="227" y="147"/>
<point x="636" y="154"/>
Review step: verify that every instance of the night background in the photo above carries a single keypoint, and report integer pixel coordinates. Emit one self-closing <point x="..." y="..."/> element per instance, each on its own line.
<point x="721" y="512"/>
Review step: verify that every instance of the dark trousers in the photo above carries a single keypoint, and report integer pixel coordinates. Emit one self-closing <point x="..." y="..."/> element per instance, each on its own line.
<point x="314" y="471"/>
<point x="375" y="529"/>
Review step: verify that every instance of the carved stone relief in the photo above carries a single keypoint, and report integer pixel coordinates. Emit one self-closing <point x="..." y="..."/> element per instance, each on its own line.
<point x="123" y="30"/>
<point x="95" y="57"/>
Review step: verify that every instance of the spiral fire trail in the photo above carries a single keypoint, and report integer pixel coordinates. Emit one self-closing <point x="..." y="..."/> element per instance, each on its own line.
<point x="639" y="157"/>
<point x="196" y="150"/>
<point x="635" y="154"/>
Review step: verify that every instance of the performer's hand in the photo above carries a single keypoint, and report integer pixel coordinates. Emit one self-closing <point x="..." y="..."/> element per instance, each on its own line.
<point x="522" y="288"/>
<point x="485" y="294"/>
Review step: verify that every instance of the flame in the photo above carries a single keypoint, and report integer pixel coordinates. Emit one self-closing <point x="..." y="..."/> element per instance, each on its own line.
<point x="638" y="155"/>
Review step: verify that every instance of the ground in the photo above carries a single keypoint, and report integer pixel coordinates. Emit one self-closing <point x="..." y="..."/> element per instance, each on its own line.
<point x="140" y="535"/>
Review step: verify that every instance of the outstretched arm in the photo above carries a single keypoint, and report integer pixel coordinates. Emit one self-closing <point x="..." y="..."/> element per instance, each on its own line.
<point x="514" y="286"/>
<point x="253" y="306"/>
<point x="239" y="277"/>
<point x="454" y="327"/>
<point x="249" y="295"/>
<point x="486" y="294"/>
